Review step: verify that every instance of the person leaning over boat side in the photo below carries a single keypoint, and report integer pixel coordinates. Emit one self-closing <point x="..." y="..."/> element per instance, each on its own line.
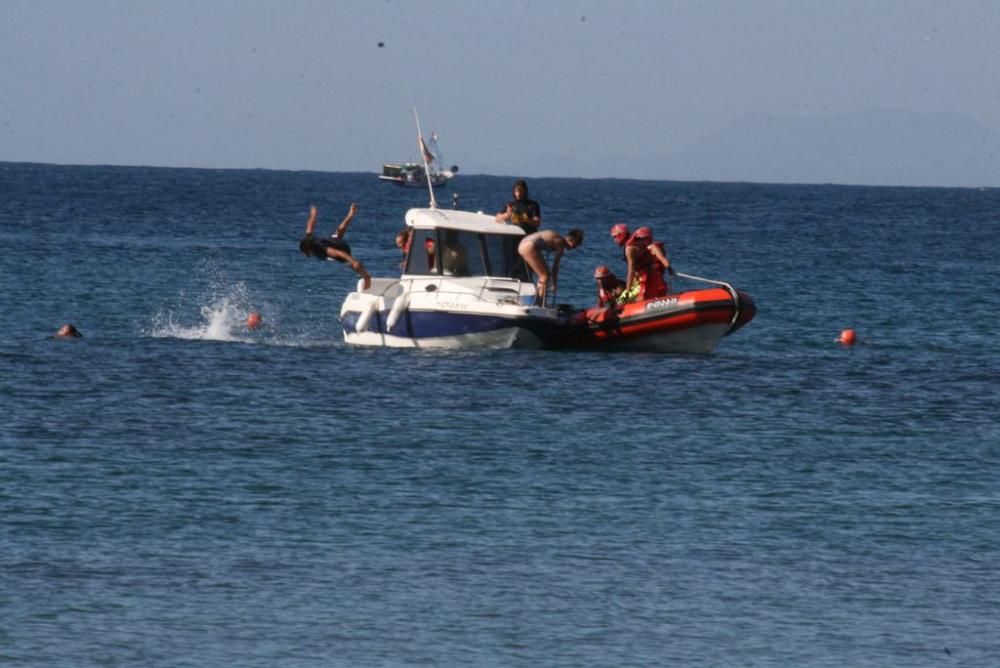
<point x="334" y="248"/>
<point x="609" y="286"/>
<point x="646" y="263"/>
<point x="521" y="211"/>
<point x="536" y="243"/>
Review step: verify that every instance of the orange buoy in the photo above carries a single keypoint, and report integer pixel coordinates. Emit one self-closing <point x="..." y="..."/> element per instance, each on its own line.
<point x="847" y="337"/>
<point x="254" y="320"/>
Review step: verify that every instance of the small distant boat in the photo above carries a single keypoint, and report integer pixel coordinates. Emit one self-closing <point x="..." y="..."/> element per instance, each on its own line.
<point x="416" y="175"/>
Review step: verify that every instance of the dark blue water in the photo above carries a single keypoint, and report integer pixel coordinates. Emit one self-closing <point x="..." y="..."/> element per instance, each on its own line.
<point x="176" y="491"/>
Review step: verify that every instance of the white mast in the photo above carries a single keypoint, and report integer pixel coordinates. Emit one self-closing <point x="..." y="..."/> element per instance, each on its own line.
<point x="423" y="156"/>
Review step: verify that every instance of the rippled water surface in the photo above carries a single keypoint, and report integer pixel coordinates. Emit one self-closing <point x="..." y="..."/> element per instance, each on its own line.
<point x="177" y="491"/>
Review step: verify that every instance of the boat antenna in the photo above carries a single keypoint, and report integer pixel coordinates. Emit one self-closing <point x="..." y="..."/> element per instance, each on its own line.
<point x="423" y="156"/>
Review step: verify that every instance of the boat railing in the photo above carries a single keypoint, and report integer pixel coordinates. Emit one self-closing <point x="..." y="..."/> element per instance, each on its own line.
<point x="486" y="289"/>
<point x="705" y="280"/>
<point x="391" y="287"/>
<point x="729" y="288"/>
<point x="511" y="285"/>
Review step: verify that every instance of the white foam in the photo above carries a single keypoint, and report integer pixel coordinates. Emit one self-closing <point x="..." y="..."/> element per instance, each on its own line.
<point x="221" y="321"/>
<point x="223" y="318"/>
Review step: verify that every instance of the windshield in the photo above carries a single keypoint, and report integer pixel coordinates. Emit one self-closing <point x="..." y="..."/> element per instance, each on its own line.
<point x="459" y="253"/>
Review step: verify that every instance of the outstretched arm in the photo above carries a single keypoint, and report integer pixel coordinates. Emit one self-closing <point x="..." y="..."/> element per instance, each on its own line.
<point x="662" y="257"/>
<point x="342" y="228"/>
<point x="556" y="257"/>
<point x="360" y="268"/>
<point x="355" y="264"/>
<point x="311" y="223"/>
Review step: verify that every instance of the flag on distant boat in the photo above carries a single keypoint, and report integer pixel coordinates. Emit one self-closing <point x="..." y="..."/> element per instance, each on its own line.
<point x="435" y="151"/>
<point x="428" y="156"/>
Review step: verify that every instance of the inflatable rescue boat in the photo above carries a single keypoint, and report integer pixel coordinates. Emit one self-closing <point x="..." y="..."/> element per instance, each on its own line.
<point x="686" y="322"/>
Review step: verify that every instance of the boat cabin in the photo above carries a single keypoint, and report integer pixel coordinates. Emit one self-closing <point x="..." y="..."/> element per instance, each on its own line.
<point x="404" y="171"/>
<point x="462" y="244"/>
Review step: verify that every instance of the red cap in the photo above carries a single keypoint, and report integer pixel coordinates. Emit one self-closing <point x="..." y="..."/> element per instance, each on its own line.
<point x="643" y="233"/>
<point x="602" y="272"/>
<point x="619" y="230"/>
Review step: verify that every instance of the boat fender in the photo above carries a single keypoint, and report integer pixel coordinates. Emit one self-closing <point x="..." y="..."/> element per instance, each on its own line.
<point x="365" y="317"/>
<point x="396" y="312"/>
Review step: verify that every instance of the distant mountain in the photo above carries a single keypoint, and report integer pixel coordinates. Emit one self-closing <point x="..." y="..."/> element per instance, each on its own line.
<point x="884" y="147"/>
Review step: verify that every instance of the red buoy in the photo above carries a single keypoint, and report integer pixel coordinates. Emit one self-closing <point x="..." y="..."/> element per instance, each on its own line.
<point x="847" y="337"/>
<point x="254" y="320"/>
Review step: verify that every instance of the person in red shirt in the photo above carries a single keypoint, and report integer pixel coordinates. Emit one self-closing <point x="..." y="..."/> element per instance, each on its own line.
<point x="646" y="263"/>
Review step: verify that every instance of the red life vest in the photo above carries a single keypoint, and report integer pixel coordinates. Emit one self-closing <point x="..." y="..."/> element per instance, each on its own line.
<point x="649" y="271"/>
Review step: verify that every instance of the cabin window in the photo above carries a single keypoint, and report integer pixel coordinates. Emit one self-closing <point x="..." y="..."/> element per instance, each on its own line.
<point x="422" y="258"/>
<point x="461" y="254"/>
<point x="503" y="258"/>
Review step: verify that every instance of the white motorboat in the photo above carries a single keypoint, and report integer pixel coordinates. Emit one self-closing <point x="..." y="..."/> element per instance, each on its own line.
<point x="463" y="285"/>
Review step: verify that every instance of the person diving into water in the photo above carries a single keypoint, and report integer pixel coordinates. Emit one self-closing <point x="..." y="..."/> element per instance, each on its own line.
<point x="334" y="248"/>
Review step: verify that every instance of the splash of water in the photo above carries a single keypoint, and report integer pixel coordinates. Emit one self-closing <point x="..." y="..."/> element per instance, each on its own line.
<point x="219" y="313"/>
<point x="222" y="319"/>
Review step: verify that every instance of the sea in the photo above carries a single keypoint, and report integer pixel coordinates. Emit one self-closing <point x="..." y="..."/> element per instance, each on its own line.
<point x="178" y="490"/>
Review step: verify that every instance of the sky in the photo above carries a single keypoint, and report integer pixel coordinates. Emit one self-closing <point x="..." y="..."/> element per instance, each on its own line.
<point x="540" y="88"/>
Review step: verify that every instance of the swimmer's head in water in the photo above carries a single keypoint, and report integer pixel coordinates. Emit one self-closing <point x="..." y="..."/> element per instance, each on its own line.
<point x="68" y="331"/>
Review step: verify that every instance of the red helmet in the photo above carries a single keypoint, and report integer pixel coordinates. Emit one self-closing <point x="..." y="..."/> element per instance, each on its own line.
<point x="602" y="272"/>
<point x="619" y="230"/>
<point x="643" y="233"/>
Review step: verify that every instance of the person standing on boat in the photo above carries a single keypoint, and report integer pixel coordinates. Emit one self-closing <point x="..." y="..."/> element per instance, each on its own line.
<point x="609" y="286"/>
<point x="522" y="211"/>
<point x="646" y="263"/>
<point x="547" y="241"/>
<point x="334" y="248"/>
